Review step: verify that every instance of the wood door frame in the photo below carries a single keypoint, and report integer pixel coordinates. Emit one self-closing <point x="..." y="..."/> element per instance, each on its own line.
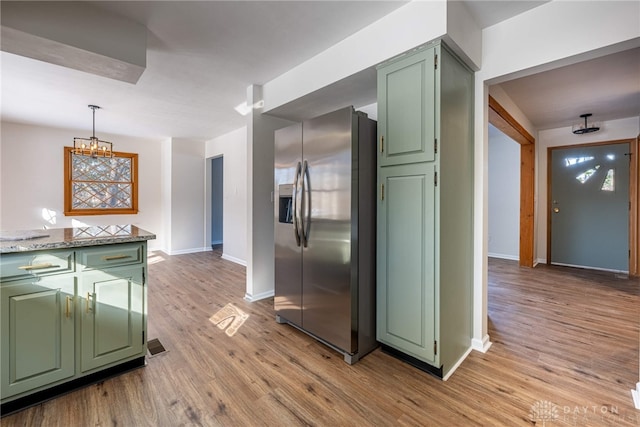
<point x="634" y="209"/>
<point x="634" y="187"/>
<point x="507" y="124"/>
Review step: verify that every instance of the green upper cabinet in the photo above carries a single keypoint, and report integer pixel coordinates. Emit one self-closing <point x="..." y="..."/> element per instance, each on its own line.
<point x="406" y="109"/>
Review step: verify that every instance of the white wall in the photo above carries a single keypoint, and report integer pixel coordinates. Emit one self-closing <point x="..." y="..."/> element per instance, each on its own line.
<point x="370" y="110"/>
<point x="260" y="229"/>
<point x="233" y="146"/>
<point x="187" y="197"/>
<point x="402" y="30"/>
<point x="504" y="196"/>
<point x="610" y="131"/>
<point x="551" y="35"/>
<point x="165" y="185"/>
<point x="32" y="166"/>
<point x="464" y="36"/>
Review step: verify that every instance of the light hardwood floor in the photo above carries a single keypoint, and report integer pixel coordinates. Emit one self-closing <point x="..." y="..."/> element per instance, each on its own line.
<point x="561" y="337"/>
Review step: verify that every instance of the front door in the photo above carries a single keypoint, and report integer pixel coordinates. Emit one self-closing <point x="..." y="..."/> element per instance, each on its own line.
<point x="590" y="206"/>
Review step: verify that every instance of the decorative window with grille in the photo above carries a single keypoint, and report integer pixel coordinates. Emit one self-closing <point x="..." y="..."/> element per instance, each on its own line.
<point x="100" y="185"/>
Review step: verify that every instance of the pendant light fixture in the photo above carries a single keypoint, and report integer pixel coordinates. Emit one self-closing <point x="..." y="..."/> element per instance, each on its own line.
<point x="92" y="147"/>
<point x="585" y="127"/>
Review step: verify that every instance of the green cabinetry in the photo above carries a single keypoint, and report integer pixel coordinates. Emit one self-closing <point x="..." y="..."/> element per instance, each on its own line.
<point x="37" y="332"/>
<point x="67" y="315"/>
<point x="406" y="109"/>
<point x="112" y="318"/>
<point x="425" y="175"/>
<point x="406" y="293"/>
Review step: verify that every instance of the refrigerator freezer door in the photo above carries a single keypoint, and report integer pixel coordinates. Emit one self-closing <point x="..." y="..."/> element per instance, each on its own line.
<point x="288" y="253"/>
<point x="327" y="215"/>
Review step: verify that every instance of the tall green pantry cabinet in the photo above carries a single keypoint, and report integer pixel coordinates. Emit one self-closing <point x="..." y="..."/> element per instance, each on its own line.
<point x="425" y="204"/>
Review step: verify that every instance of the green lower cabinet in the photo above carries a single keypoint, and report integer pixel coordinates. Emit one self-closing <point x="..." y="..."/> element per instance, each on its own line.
<point x="37" y="333"/>
<point x="111" y="316"/>
<point x="66" y="316"/>
<point x="406" y="282"/>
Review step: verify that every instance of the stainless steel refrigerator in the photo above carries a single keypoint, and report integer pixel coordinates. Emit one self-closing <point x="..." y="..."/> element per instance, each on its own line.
<point x="325" y="189"/>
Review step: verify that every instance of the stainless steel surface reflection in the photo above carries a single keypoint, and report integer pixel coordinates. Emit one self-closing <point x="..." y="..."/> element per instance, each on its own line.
<point x="288" y="266"/>
<point x="324" y="170"/>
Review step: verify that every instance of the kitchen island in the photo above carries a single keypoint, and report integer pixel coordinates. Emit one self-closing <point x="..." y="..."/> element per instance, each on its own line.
<point x="73" y="309"/>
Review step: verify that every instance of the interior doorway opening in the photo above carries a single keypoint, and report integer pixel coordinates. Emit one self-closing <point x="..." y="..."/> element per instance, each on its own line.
<point x="507" y="124"/>
<point x="217" y="203"/>
<point x="503" y="196"/>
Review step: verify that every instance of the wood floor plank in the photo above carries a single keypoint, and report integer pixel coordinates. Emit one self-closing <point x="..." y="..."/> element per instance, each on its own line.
<point x="560" y="335"/>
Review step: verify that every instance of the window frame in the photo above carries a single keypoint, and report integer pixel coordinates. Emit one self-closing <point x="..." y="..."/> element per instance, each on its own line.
<point x="68" y="188"/>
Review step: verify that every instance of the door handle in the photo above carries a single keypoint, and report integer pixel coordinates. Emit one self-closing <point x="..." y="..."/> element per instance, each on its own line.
<point x="296" y="227"/>
<point x="306" y="202"/>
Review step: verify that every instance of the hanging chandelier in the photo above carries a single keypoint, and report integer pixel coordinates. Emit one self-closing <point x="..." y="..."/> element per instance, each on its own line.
<point x="581" y="128"/>
<point x="92" y="147"/>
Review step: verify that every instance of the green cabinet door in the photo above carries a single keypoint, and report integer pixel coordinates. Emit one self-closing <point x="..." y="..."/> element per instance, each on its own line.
<point x="406" y="110"/>
<point x="111" y="316"/>
<point x="406" y="265"/>
<point x="37" y="333"/>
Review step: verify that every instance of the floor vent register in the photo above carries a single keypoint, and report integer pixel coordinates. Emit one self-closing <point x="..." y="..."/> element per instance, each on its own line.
<point x="155" y="346"/>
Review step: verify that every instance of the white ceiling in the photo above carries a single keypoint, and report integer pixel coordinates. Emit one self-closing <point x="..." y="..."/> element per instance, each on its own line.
<point x="608" y="87"/>
<point x="203" y="55"/>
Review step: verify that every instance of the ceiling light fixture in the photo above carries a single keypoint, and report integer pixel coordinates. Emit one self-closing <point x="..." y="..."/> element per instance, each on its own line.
<point x="582" y="128"/>
<point x="92" y="147"/>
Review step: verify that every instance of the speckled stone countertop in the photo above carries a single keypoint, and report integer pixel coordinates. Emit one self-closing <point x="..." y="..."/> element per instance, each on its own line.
<point x="61" y="238"/>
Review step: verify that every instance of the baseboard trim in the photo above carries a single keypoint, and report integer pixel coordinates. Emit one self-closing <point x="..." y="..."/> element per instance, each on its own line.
<point x="609" y="270"/>
<point x="205" y="249"/>
<point x="258" y="297"/>
<point x="504" y="256"/>
<point x="481" y="345"/>
<point x="636" y="396"/>
<point x="457" y="364"/>
<point x="190" y="251"/>
<point x="234" y="259"/>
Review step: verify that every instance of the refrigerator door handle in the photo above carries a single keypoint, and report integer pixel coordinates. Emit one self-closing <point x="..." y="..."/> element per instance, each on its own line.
<point x="306" y="204"/>
<point x="296" y="216"/>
